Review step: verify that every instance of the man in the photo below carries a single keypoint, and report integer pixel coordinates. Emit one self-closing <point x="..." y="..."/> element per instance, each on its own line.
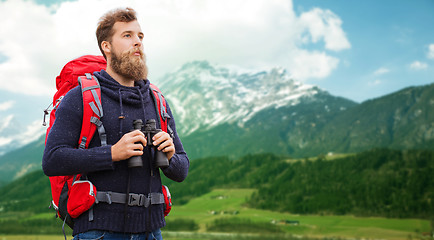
<point x="125" y="97"/>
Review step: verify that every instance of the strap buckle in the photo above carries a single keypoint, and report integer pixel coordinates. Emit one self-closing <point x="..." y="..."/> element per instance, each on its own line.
<point x="109" y="197"/>
<point x="136" y="199"/>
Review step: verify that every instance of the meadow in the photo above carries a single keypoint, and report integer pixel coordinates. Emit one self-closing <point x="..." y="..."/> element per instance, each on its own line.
<point x="229" y="204"/>
<point x="378" y="194"/>
<point x="222" y="214"/>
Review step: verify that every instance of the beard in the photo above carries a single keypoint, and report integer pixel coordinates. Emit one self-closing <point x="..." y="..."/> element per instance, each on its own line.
<point x="129" y="66"/>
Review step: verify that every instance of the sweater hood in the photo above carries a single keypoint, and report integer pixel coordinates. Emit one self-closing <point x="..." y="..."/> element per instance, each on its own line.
<point x="139" y="94"/>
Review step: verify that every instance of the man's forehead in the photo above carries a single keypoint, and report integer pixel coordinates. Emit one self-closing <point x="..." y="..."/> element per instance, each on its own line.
<point x="133" y="26"/>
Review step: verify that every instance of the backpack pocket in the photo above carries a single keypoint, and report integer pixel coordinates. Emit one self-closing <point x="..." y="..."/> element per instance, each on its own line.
<point x="81" y="197"/>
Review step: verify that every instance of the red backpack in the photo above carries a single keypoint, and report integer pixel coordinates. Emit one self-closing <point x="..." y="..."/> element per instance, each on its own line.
<point x="74" y="73"/>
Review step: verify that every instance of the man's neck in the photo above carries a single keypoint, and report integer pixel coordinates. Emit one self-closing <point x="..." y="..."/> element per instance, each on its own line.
<point x="119" y="78"/>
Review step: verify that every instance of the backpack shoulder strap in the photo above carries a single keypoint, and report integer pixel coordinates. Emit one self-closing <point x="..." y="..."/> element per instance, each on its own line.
<point x="92" y="111"/>
<point x="161" y="108"/>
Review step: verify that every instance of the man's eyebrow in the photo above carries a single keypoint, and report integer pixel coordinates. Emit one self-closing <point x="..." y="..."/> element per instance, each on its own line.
<point x="127" y="31"/>
<point x="131" y="31"/>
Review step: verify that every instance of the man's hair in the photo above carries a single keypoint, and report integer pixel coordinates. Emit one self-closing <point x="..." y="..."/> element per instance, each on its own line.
<point x="104" y="31"/>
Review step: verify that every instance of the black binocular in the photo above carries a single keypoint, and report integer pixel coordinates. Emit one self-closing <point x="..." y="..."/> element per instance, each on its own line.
<point x="149" y="129"/>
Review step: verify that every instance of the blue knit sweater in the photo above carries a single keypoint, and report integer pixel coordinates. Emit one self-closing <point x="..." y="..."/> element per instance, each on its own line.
<point x="62" y="156"/>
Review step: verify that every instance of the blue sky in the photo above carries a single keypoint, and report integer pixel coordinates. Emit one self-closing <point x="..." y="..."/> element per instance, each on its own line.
<point x="386" y="36"/>
<point x="355" y="49"/>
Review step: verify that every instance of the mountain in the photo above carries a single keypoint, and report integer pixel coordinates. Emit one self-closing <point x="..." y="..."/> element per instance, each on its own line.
<point x="233" y="112"/>
<point x="14" y="134"/>
<point x="205" y="96"/>
<point x="227" y="111"/>
<point x="217" y="108"/>
<point x="29" y="193"/>
<point x="401" y="120"/>
<point x="288" y="130"/>
<point x="19" y="162"/>
<point x="9" y="128"/>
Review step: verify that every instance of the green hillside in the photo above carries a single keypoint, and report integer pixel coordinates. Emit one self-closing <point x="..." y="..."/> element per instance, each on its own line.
<point x="401" y="120"/>
<point x="223" y="214"/>
<point x="388" y="183"/>
<point x="30" y="193"/>
<point x="257" y="189"/>
<point x="380" y="182"/>
<point x="17" y="163"/>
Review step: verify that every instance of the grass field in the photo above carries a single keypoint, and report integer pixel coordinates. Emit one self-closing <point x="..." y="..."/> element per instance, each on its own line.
<point x="229" y="204"/>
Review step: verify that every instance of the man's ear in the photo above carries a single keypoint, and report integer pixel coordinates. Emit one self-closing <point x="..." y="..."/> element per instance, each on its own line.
<point x="106" y="47"/>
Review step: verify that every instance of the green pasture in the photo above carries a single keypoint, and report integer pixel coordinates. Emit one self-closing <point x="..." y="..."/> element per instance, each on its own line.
<point x="228" y="204"/>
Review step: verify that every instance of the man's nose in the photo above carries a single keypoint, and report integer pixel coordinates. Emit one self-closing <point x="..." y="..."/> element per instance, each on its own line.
<point x="137" y="42"/>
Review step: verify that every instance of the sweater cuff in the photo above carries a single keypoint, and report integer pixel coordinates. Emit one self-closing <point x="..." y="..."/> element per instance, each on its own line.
<point x="104" y="160"/>
<point x="177" y="169"/>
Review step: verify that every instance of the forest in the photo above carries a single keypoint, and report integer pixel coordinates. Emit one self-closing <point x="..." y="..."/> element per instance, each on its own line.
<point x="379" y="182"/>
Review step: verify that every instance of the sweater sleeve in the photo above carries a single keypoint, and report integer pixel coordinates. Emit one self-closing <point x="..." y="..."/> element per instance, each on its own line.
<point x="61" y="154"/>
<point x="179" y="163"/>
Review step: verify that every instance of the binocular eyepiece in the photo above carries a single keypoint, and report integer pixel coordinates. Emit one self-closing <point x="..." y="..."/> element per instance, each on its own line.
<point x="149" y="129"/>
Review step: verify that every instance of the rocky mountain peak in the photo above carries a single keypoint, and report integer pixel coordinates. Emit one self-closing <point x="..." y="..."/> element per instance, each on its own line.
<point x="205" y="95"/>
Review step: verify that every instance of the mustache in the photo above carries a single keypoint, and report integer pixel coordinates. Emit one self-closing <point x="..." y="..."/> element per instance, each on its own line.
<point x="134" y="50"/>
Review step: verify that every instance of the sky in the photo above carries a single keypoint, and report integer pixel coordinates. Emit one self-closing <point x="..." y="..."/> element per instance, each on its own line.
<point x="354" y="49"/>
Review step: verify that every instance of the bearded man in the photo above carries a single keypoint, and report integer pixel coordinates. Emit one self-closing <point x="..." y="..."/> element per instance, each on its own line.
<point x="125" y="97"/>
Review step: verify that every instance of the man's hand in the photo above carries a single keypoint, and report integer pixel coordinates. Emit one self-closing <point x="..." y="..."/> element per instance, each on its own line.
<point x="164" y="143"/>
<point x="131" y="144"/>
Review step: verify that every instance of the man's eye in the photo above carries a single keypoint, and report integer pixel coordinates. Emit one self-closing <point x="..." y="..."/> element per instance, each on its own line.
<point x="127" y="35"/>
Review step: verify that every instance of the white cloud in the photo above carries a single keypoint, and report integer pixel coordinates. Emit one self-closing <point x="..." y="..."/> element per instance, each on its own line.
<point x="416" y="65"/>
<point x="381" y="71"/>
<point x="6" y="105"/>
<point x="307" y="64"/>
<point x="33" y="132"/>
<point x="430" y="54"/>
<point x="324" y="24"/>
<point x="4" y="141"/>
<point x="37" y="41"/>
<point x="5" y="122"/>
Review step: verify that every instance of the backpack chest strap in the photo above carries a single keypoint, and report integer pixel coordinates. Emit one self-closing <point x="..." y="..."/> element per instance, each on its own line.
<point x="133" y="199"/>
